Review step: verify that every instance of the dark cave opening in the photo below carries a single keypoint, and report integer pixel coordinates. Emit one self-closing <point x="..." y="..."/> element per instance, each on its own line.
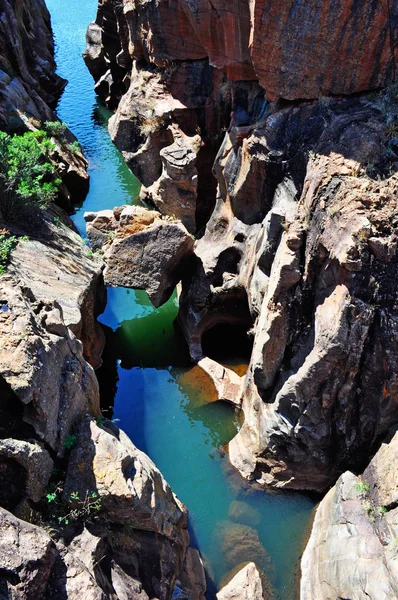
<point x="228" y="342"/>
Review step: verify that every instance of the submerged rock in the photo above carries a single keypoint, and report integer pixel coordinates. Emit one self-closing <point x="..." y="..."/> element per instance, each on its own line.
<point x="141" y="250"/>
<point x="240" y="543"/>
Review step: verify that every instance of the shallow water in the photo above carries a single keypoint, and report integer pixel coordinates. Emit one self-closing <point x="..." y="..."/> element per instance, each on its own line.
<point x="147" y="383"/>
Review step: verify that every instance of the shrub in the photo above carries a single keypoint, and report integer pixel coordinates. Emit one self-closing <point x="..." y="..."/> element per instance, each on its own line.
<point x="26" y="173"/>
<point x="55" y="128"/>
<point x="7" y="243"/>
<point x="75" y="148"/>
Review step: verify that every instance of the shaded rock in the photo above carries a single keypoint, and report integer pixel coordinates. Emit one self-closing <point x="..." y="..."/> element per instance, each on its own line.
<point x="27" y="555"/>
<point x="245" y="585"/>
<point x="34" y="459"/>
<point x="142" y="250"/>
<point x="191" y="584"/>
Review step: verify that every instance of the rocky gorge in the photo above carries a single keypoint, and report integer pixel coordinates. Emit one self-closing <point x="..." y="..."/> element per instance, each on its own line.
<point x="295" y="231"/>
<point x="269" y="198"/>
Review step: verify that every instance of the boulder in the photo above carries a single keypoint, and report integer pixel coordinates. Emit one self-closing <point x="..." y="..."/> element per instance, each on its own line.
<point x="141" y="250"/>
<point x="245" y="585"/>
<point x="132" y="490"/>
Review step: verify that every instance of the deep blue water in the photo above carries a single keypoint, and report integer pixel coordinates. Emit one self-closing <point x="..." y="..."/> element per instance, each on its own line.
<point x="161" y="401"/>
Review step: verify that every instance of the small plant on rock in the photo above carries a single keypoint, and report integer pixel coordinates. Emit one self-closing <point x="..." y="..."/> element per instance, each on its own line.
<point x="70" y="442"/>
<point x="362" y="487"/>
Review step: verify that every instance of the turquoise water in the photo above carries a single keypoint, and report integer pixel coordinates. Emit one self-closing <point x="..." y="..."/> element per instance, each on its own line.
<point x="147" y="383"/>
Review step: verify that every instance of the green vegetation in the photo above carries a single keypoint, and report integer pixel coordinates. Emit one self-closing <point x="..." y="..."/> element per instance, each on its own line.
<point x="7" y="243"/>
<point x="73" y="509"/>
<point x="55" y="129"/>
<point x="26" y="174"/>
<point x="363" y="487"/>
<point x="70" y="442"/>
<point x="75" y="148"/>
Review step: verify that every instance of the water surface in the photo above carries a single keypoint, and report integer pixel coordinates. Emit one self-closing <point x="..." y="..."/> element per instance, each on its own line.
<point x="164" y="403"/>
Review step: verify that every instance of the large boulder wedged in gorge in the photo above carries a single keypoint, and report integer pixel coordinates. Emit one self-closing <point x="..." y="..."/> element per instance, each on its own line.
<point x="352" y="548"/>
<point x="141" y="249"/>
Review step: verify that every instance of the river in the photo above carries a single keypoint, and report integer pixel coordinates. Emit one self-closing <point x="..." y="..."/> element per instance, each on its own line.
<point x="147" y="383"/>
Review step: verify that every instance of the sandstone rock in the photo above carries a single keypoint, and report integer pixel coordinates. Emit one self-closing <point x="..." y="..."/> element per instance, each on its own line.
<point x="246" y="585"/>
<point x="34" y="459"/>
<point x="297" y="355"/>
<point x="142" y="250"/>
<point x="20" y="48"/>
<point x="174" y="193"/>
<point x="287" y="66"/>
<point x="27" y="555"/>
<point x="145" y="539"/>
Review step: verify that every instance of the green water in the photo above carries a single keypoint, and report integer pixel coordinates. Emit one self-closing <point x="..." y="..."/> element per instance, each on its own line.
<point x="147" y="382"/>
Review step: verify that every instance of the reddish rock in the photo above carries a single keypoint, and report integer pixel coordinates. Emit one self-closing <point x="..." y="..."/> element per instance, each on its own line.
<point x="305" y="49"/>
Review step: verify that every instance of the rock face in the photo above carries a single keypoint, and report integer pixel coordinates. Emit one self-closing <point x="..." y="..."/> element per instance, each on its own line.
<point x="29" y="83"/>
<point x="48" y="328"/>
<point x="141" y="250"/>
<point x="246" y="585"/>
<point x="248" y="41"/>
<point x="352" y="549"/>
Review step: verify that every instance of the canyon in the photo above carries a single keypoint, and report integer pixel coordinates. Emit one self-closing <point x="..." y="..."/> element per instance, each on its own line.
<point x="268" y="165"/>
